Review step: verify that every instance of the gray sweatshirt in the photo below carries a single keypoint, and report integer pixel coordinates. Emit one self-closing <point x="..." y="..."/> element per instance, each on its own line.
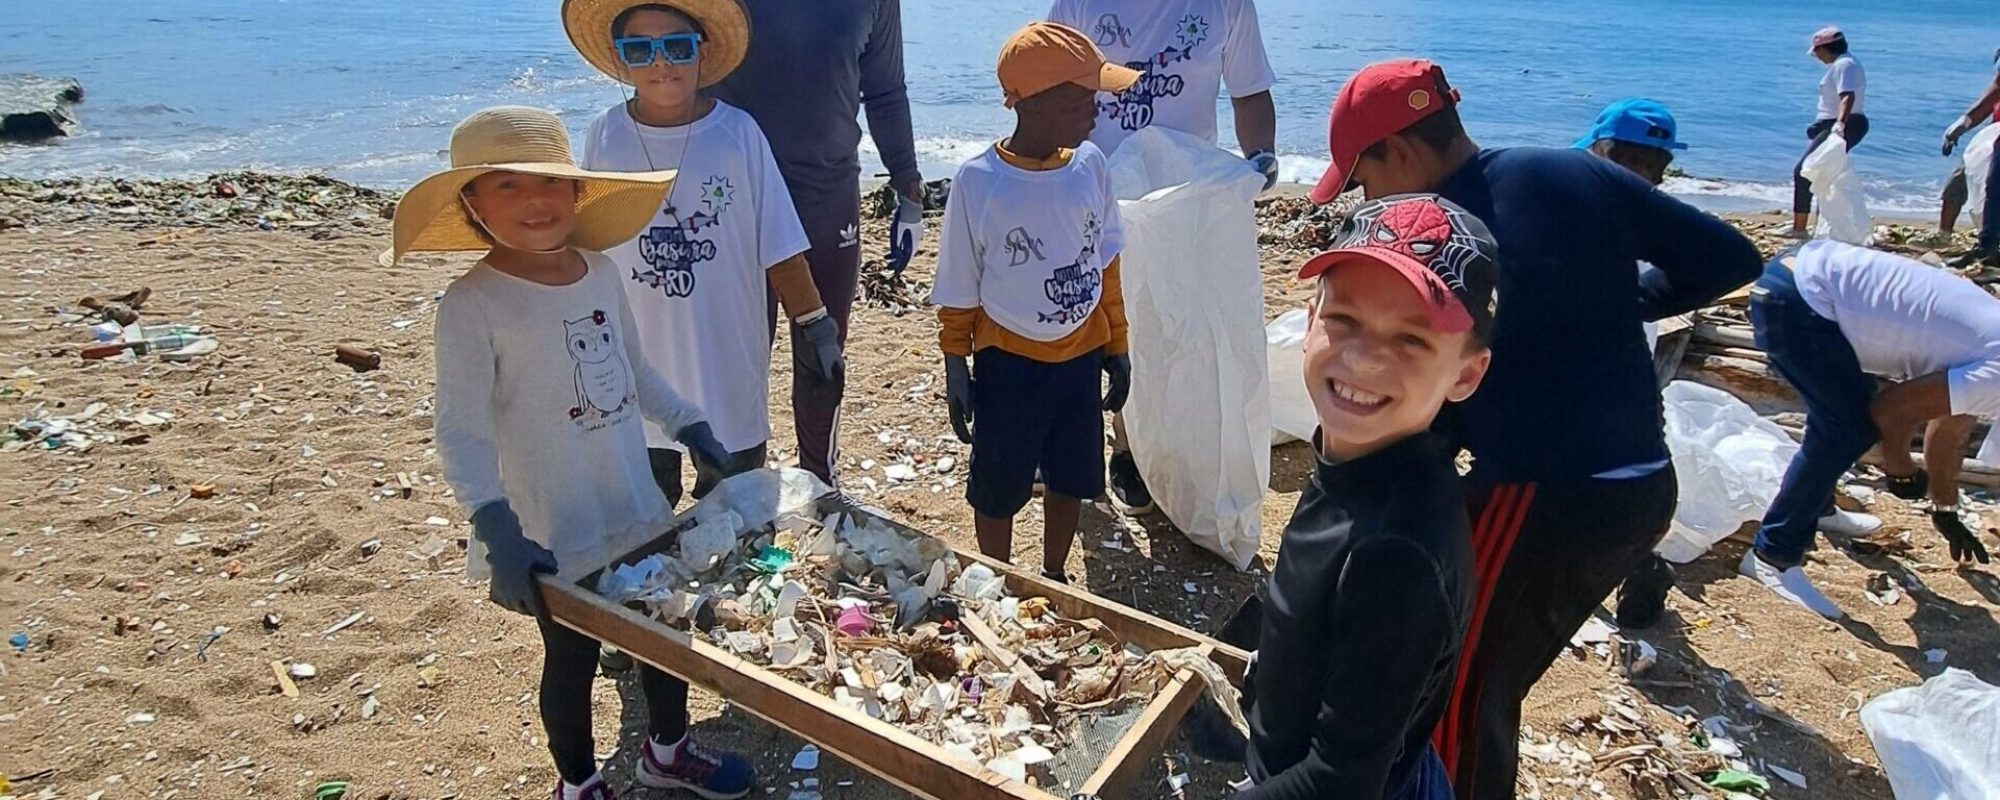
<point x="812" y="65"/>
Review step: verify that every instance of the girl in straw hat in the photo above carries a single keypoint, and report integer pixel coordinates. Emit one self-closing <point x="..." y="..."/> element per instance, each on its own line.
<point x="541" y="387"/>
<point x="701" y="273"/>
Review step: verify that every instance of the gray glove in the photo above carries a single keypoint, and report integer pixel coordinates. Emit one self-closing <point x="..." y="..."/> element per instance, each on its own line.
<point x="708" y="453"/>
<point x="958" y="396"/>
<point x="514" y="558"/>
<point x="1266" y="164"/>
<point x="1957" y="129"/>
<point x="820" y="352"/>
<point x="905" y="232"/>
<point x="1119" y="368"/>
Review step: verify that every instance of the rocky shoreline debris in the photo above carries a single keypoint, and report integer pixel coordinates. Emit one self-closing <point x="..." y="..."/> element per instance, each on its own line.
<point x="267" y="201"/>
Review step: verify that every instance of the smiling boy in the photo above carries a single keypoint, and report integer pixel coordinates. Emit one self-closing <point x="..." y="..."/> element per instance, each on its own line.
<point x="1371" y="593"/>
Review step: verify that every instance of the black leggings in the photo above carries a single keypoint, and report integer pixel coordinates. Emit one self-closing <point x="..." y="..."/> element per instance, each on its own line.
<point x="1857" y="129"/>
<point x="569" y="666"/>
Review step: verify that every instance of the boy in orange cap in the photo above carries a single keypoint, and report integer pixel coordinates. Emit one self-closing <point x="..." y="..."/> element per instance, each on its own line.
<point x="1028" y="281"/>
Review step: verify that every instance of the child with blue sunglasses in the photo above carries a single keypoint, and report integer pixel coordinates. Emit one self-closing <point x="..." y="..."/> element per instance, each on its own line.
<point x="702" y="275"/>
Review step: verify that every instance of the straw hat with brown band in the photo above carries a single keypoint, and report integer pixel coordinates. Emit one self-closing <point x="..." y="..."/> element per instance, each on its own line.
<point x="611" y="207"/>
<point x="725" y="33"/>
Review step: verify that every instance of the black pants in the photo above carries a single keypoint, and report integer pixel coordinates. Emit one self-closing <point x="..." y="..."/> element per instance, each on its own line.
<point x="1857" y="129"/>
<point x="1545" y="556"/>
<point x="569" y="666"/>
<point x="666" y="466"/>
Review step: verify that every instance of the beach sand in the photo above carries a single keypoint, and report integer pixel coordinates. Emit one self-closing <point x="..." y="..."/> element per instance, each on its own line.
<point x="121" y="569"/>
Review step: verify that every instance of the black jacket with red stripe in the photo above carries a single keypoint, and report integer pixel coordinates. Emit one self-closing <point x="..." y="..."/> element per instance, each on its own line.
<point x="1367" y="611"/>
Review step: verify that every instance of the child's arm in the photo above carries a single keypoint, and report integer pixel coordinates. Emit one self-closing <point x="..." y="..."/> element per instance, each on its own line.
<point x="1392" y="622"/>
<point x="466" y="428"/>
<point x="1111" y="246"/>
<point x="792" y="280"/>
<point x="1114" y="309"/>
<point x="956" y="290"/>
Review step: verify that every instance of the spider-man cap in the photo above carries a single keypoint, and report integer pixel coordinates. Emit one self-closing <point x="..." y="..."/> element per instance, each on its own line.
<point x="1445" y="252"/>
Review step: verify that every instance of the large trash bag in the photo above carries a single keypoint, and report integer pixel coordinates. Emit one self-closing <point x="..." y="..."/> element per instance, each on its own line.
<point x="1938" y="741"/>
<point x="1199" y="415"/>
<point x="1292" y="415"/>
<point x="1978" y="163"/>
<point x="1843" y="207"/>
<point x="1729" y="461"/>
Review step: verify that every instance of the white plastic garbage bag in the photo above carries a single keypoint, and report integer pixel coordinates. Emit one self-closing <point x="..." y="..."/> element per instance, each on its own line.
<point x="1199" y="414"/>
<point x="1729" y="462"/>
<point x="1843" y="208"/>
<point x="1938" y="741"/>
<point x="1978" y="163"/>
<point x="1292" y="417"/>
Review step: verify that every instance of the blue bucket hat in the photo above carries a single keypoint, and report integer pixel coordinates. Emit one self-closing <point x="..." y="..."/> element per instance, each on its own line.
<point x="1635" y="120"/>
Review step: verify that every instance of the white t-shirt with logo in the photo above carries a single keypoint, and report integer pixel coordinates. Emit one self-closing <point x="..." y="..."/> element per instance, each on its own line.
<point x="1907" y="319"/>
<point x="1029" y="247"/>
<point x="696" y="275"/>
<point x="1188" y="49"/>
<point x="540" y="394"/>
<point x="1843" y="75"/>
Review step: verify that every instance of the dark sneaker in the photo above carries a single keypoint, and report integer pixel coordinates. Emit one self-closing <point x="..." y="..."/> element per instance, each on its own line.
<point x="593" y="789"/>
<point x="1642" y="600"/>
<point x="1974" y="258"/>
<point x="1128" y="487"/>
<point x="709" y="774"/>
<point x="1915" y="486"/>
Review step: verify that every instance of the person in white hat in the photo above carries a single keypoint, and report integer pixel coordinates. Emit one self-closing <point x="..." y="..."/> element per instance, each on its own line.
<point x="699" y="273"/>
<point x="541" y="387"/>
<point x="1843" y="95"/>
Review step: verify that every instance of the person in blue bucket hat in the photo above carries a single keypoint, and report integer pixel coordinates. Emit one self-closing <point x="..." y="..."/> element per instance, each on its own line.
<point x="1637" y="134"/>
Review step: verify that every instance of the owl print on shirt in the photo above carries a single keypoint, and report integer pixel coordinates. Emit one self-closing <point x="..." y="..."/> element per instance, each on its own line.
<point x="603" y="379"/>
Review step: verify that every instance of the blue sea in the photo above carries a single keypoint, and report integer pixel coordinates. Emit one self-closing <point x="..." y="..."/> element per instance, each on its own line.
<point x="367" y="90"/>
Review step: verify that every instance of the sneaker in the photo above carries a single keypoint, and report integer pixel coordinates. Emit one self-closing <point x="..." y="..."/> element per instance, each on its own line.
<point x="1974" y="258"/>
<point x="593" y="789"/>
<point x="1128" y="487"/>
<point x="1849" y="523"/>
<point x="613" y="661"/>
<point x="1790" y="584"/>
<point x="1642" y="599"/>
<point x="711" y="775"/>
<point x="1914" y="486"/>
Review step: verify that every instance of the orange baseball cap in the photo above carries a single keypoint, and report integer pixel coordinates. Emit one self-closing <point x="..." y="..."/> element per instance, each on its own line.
<point x="1045" y="55"/>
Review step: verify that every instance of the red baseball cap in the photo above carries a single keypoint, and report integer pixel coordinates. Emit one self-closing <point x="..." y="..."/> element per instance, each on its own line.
<point x="1381" y="99"/>
<point x="1444" y="251"/>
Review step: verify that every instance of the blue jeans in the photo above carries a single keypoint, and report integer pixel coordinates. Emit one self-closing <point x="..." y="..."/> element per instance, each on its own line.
<point x="1812" y="355"/>
<point x="1989" y="221"/>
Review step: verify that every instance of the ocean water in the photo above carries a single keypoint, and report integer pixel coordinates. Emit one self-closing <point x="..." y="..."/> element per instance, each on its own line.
<point x="367" y="90"/>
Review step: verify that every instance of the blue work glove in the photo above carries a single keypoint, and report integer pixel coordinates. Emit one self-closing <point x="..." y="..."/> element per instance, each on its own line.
<point x="1266" y="164"/>
<point x="701" y="445"/>
<point x="1119" y="367"/>
<point x="958" y="396"/>
<point x="905" y="233"/>
<point x="820" y="352"/>
<point x="514" y="558"/>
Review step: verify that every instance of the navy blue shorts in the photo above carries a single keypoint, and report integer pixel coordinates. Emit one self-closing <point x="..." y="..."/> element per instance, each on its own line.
<point x="1028" y="414"/>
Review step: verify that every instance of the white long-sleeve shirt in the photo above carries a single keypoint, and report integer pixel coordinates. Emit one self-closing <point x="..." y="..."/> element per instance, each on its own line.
<point x="540" y="391"/>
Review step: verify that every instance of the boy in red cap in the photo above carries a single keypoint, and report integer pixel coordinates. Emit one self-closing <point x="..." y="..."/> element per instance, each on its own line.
<point x="1571" y="483"/>
<point x="1027" y="285"/>
<point x="1368" y="602"/>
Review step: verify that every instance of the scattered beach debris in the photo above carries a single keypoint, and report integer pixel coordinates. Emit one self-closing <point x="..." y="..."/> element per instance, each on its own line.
<point x="360" y="359"/>
<point x="807" y="760"/>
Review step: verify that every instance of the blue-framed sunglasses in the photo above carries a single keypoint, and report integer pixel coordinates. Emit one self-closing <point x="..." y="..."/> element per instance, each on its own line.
<point x="641" y="51"/>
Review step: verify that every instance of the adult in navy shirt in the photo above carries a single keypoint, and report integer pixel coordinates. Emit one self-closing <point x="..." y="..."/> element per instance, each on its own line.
<point x="812" y="68"/>
<point x="1571" y="484"/>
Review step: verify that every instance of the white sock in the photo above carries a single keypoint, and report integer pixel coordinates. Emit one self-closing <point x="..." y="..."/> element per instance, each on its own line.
<point x="664" y="753"/>
<point x="572" y="792"/>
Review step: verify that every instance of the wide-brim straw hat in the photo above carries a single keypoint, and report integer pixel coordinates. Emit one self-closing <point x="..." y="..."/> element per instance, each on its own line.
<point x="725" y="33"/>
<point x="611" y="207"/>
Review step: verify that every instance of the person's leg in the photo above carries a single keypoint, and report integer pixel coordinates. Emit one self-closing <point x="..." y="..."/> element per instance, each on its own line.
<point x="739" y="461"/>
<point x="666" y="464"/>
<point x="1802" y="188"/>
<point x="1989" y="219"/>
<point x="569" y="665"/>
<point x="1008" y="427"/>
<point x="670" y="759"/>
<point x="1072" y="453"/>
<point x="1546" y="557"/>
<point x="1811" y="354"/>
<point x="1952" y="201"/>
<point x="833" y="227"/>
